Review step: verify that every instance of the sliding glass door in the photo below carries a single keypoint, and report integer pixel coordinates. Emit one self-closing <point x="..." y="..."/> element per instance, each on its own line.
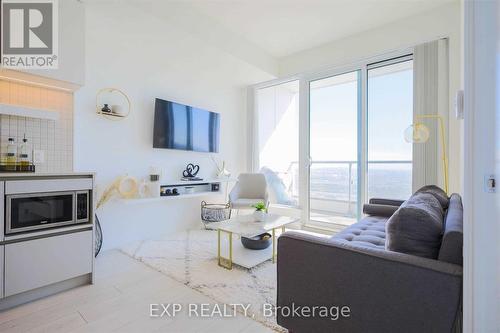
<point x="342" y="143"/>
<point x="334" y="108"/>
<point x="356" y="145"/>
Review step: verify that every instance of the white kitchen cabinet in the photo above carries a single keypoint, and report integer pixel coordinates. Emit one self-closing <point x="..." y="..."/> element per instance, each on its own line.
<point x="36" y="263"/>
<point x="71" y="44"/>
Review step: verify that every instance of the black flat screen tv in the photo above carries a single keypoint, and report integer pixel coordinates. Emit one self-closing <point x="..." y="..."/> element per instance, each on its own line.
<point x="179" y="126"/>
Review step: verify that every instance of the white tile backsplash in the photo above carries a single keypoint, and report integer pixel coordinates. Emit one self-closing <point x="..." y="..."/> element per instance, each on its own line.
<point x="51" y="136"/>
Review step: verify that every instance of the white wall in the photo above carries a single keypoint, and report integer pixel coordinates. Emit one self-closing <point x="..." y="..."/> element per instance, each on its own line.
<point x="482" y="222"/>
<point x="443" y="21"/>
<point x="147" y="57"/>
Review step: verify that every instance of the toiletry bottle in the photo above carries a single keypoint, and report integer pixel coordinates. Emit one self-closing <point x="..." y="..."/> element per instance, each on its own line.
<point x="24" y="154"/>
<point x="154" y="187"/>
<point x="11" y="155"/>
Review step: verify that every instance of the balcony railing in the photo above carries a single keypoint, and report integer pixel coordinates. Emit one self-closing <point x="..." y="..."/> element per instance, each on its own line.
<point x="333" y="184"/>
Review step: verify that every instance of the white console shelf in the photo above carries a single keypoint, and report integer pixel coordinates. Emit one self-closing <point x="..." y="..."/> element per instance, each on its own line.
<point x="181" y="183"/>
<point x="169" y="197"/>
<point x="204" y="181"/>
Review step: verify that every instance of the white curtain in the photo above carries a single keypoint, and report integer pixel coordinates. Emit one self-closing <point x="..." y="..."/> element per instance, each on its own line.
<point x="430" y="96"/>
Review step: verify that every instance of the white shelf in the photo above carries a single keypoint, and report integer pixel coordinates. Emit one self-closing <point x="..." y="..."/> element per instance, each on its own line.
<point x="180" y="183"/>
<point x="171" y="197"/>
<point x="111" y="114"/>
<point x="21" y="111"/>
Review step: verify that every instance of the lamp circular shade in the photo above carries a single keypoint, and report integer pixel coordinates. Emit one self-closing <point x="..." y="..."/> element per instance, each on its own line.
<point x="417" y="133"/>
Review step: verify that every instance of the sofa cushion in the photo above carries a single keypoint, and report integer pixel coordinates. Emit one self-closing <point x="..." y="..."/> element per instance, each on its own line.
<point x="453" y="236"/>
<point x="379" y="210"/>
<point x="438" y="193"/>
<point x="416" y="227"/>
<point x="369" y="232"/>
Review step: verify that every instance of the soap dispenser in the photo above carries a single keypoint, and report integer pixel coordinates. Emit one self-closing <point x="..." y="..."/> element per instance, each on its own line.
<point x="11" y="155"/>
<point x="24" y="154"/>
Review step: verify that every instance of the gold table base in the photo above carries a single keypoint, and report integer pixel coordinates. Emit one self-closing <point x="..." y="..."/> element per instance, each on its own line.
<point x="228" y="262"/>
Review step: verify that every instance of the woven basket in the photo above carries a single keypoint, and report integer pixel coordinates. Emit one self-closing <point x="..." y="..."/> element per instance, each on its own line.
<point x="214" y="213"/>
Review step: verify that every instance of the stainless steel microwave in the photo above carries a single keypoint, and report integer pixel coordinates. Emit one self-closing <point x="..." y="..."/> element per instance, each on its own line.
<point x="34" y="211"/>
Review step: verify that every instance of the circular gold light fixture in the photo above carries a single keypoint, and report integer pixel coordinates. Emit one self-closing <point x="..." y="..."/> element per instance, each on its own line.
<point x="119" y="110"/>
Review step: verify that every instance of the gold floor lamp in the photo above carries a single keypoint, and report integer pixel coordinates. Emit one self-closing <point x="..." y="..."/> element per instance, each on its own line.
<point x="419" y="133"/>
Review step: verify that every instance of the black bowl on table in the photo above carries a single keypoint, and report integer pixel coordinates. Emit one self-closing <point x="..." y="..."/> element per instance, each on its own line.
<point x="258" y="242"/>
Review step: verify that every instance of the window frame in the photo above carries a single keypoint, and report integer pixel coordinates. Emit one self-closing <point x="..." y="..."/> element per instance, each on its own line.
<point x="305" y="80"/>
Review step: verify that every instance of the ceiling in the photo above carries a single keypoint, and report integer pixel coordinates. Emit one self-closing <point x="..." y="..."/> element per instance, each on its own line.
<point x="281" y="27"/>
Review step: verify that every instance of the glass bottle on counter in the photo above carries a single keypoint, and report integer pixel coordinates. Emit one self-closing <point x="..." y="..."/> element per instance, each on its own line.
<point x="24" y="154"/>
<point x="11" y="155"/>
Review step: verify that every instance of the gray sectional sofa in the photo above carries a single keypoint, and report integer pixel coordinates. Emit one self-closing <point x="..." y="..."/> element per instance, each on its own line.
<point x="385" y="289"/>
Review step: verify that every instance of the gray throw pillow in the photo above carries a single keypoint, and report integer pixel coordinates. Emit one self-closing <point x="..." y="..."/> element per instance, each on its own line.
<point x="416" y="227"/>
<point x="438" y="193"/>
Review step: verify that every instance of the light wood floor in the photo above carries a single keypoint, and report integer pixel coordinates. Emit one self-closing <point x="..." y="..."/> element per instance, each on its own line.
<point x="119" y="301"/>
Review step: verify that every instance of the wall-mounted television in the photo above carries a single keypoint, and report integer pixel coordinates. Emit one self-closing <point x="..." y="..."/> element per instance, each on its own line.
<point x="179" y="126"/>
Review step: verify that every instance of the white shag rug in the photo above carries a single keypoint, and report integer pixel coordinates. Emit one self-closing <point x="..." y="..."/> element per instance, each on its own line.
<point x="190" y="258"/>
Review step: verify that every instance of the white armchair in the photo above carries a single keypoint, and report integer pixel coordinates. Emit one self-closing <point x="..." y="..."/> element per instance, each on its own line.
<point x="250" y="189"/>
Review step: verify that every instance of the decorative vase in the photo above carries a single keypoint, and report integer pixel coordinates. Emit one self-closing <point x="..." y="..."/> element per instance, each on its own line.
<point x="223" y="172"/>
<point x="259" y="215"/>
<point x="143" y="189"/>
<point x="154" y="189"/>
<point x="106" y="109"/>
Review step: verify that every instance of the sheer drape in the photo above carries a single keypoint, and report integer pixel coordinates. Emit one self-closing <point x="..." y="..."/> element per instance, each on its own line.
<point x="430" y="96"/>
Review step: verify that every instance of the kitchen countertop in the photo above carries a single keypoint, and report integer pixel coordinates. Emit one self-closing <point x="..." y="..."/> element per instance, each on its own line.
<point x="10" y="175"/>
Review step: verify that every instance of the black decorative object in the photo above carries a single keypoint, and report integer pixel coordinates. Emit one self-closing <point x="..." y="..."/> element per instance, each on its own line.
<point x="259" y="242"/>
<point x="106" y="109"/>
<point x="191" y="171"/>
<point x="98" y="236"/>
<point x="168" y="192"/>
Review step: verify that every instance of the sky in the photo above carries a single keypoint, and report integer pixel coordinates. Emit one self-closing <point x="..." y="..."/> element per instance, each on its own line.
<point x="390" y="112"/>
<point x="334" y="118"/>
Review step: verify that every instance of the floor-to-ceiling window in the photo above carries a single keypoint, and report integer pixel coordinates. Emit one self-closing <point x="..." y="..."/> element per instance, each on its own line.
<point x="351" y="126"/>
<point x="278" y="139"/>
<point x="390" y="111"/>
